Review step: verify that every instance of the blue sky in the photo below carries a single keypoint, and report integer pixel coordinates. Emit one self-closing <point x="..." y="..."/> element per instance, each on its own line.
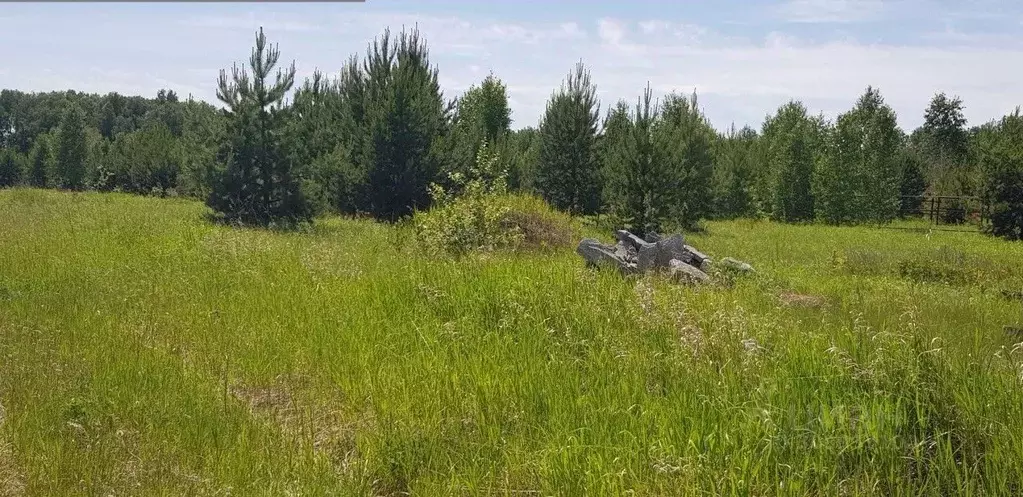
<point x="744" y="59"/>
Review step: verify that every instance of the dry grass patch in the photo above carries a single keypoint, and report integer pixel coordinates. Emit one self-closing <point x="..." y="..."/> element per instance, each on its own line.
<point x="793" y="299"/>
<point x="12" y="483"/>
<point x="288" y="402"/>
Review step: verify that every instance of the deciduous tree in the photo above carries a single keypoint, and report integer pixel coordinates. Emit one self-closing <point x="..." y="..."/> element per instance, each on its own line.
<point x="858" y="176"/>
<point x="71" y="150"/>
<point x="736" y="170"/>
<point x="11" y="167"/>
<point x="793" y="141"/>
<point x="40" y="161"/>
<point x="945" y="147"/>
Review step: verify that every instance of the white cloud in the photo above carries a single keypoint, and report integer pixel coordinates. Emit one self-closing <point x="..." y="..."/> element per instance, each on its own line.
<point x="651" y="27"/>
<point x="817" y="11"/>
<point x="689" y="34"/>
<point x="572" y="30"/>
<point x="476" y="31"/>
<point x="827" y="76"/>
<point x="250" y="22"/>
<point x="739" y="78"/>
<point x="952" y="36"/>
<point x="611" y="31"/>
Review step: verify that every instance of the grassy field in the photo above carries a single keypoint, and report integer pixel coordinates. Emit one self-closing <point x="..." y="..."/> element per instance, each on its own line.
<point x="144" y="351"/>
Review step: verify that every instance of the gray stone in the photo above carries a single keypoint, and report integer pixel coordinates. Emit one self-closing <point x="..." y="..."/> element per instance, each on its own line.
<point x="647" y="258"/>
<point x="681" y="272"/>
<point x="631" y="240"/>
<point x="626" y="251"/>
<point x="736" y="265"/>
<point x="597" y="253"/>
<point x="673" y="247"/>
<point x="698" y="257"/>
<point x="634" y="255"/>
<point x="601" y="255"/>
<point x="706" y="265"/>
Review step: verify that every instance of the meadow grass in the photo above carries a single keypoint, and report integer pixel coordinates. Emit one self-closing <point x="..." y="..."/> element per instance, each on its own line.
<point x="144" y="351"/>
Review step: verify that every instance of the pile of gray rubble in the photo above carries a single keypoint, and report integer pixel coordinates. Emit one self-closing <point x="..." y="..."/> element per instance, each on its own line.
<point x="634" y="255"/>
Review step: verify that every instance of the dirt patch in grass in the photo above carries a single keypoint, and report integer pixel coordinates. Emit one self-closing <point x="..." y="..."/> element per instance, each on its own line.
<point x="275" y="400"/>
<point x="288" y="403"/>
<point x="12" y="483"/>
<point x="793" y="299"/>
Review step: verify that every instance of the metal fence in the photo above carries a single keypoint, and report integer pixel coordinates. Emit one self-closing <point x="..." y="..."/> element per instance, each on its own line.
<point x="950" y="212"/>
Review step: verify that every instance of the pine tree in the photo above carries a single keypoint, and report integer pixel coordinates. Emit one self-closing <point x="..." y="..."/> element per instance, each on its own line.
<point x="258" y="185"/>
<point x="71" y="150"/>
<point x="143" y="161"/>
<point x="686" y="139"/>
<point x="329" y="132"/>
<point x="614" y="135"/>
<point x="658" y="163"/>
<point x="316" y="141"/>
<point x="404" y="119"/>
<point x="40" y="161"/>
<point x="634" y="167"/>
<point x="568" y="172"/>
<point x="1002" y="164"/>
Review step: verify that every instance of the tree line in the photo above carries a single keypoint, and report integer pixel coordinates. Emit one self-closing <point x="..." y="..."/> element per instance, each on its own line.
<point x="376" y="135"/>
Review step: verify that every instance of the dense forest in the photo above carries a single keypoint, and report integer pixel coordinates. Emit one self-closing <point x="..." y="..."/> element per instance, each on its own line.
<point x="374" y="137"/>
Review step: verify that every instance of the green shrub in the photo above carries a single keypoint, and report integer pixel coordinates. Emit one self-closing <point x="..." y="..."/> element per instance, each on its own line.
<point x="1002" y="160"/>
<point x="478" y="214"/>
<point x="925" y="271"/>
<point x="469" y="215"/>
<point x="944" y="264"/>
<point x="863" y="261"/>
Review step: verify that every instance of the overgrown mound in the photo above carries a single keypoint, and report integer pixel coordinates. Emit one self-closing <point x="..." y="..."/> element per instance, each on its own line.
<point x="478" y="214"/>
<point x="541" y="226"/>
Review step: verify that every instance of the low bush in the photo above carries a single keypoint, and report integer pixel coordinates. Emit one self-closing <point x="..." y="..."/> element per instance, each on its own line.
<point x="478" y="214"/>
<point x="541" y="226"/>
<point x="944" y="264"/>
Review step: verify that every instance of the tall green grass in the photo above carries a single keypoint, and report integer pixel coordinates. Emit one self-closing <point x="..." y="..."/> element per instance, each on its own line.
<point x="146" y="352"/>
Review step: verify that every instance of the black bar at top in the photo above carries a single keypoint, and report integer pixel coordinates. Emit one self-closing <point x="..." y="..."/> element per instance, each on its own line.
<point x="183" y="1"/>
